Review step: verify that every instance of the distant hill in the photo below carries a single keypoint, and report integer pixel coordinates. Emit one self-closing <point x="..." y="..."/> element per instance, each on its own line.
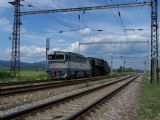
<point x="24" y="65"/>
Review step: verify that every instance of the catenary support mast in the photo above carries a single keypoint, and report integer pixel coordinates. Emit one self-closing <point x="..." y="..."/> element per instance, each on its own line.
<point x="15" y="54"/>
<point x="154" y="41"/>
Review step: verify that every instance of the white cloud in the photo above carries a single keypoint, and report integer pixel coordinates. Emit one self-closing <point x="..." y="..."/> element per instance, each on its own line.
<point x="28" y="53"/>
<point x="5" y="54"/>
<point x="74" y="47"/>
<point x="2" y="12"/>
<point x="61" y="41"/>
<point x="34" y="39"/>
<point x="45" y="3"/>
<point x="34" y="53"/>
<point x="115" y="49"/>
<point x="38" y="3"/>
<point x="32" y="50"/>
<point x="85" y="31"/>
<point x="111" y="37"/>
<point x="4" y="3"/>
<point x="5" y="25"/>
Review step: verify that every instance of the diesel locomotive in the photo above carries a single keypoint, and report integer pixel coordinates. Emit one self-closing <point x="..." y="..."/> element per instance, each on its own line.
<point x="67" y="65"/>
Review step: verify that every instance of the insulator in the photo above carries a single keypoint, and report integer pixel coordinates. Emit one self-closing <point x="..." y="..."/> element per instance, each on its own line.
<point x="79" y="17"/>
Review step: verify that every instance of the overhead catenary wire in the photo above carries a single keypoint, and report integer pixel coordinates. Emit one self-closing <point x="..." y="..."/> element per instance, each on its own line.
<point x="121" y="23"/>
<point x="50" y="16"/>
<point x="77" y="30"/>
<point x="119" y="13"/>
<point x="82" y="18"/>
<point x="117" y="20"/>
<point x="120" y="19"/>
<point x="124" y="29"/>
<point x="123" y="26"/>
<point x="79" y="17"/>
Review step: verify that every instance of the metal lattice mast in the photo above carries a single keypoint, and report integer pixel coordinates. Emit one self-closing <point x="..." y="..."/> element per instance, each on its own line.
<point x="15" y="54"/>
<point x="154" y="40"/>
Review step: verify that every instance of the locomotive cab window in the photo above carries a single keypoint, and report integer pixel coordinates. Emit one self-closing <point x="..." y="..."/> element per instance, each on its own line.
<point x="56" y="57"/>
<point x="59" y="57"/>
<point x="67" y="57"/>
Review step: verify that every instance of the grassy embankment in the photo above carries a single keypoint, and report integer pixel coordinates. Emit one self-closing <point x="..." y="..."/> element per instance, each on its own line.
<point x="30" y="75"/>
<point x="150" y="102"/>
<point x="24" y="75"/>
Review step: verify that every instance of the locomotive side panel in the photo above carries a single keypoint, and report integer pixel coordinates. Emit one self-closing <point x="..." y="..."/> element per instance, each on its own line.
<point x="72" y="66"/>
<point x="78" y="65"/>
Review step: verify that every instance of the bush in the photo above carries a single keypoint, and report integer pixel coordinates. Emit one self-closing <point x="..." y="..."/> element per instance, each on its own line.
<point x="4" y="74"/>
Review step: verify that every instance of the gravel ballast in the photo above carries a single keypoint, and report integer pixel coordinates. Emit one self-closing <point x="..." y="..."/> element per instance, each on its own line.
<point x="69" y="107"/>
<point x="121" y="107"/>
<point x="7" y="102"/>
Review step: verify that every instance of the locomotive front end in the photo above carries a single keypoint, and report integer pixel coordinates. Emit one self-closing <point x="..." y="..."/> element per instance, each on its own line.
<point x="57" y="67"/>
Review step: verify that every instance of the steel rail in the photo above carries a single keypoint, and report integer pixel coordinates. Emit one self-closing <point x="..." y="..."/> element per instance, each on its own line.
<point x="90" y="107"/>
<point x="26" y="82"/>
<point x="26" y="88"/>
<point x="35" y="106"/>
<point x="38" y="81"/>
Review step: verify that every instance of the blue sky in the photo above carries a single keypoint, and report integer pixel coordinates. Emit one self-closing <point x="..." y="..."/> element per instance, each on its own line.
<point x="36" y="28"/>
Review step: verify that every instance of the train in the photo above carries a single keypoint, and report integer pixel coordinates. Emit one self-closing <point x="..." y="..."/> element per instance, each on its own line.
<point x="68" y="65"/>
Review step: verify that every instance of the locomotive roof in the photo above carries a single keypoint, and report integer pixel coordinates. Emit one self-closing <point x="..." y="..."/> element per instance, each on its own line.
<point x="95" y="58"/>
<point x="71" y="53"/>
<point x="68" y="53"/>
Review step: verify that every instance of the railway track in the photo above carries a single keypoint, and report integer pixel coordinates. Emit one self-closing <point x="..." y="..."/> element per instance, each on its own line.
<point x="70" y="106"/>
<point x="19" y="88"/>
<point x="24" y="82"/>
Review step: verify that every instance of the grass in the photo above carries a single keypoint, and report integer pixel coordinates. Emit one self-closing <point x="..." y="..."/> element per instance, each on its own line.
<point x="24" y="75"/>
<point x="150" y="102"/>
<point x="103" y="81"/>
<point x="4" y="75"/>
<point x="85" y="85"/>
<point x="33" y="74"/>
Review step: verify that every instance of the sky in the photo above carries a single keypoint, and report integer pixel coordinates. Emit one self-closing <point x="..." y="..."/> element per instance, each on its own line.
<point x="79" y="27"/>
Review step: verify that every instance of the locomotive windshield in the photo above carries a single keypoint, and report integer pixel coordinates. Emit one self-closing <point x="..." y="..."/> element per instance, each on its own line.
<point x="56" y="57"/>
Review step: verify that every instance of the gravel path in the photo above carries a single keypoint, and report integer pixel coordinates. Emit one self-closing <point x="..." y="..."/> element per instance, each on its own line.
<point x="121" y="107"/>
<point x="62" y="111"/>
<point x="8" y="102"/>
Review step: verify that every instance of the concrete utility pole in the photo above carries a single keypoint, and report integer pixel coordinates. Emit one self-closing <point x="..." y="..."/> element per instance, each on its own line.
<point x="47" y="49"/>
<point x="124" y="65"/>
<point x="79" y="47"/>
<point x="111" y="63"/>
<point x="145" y="63"/>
